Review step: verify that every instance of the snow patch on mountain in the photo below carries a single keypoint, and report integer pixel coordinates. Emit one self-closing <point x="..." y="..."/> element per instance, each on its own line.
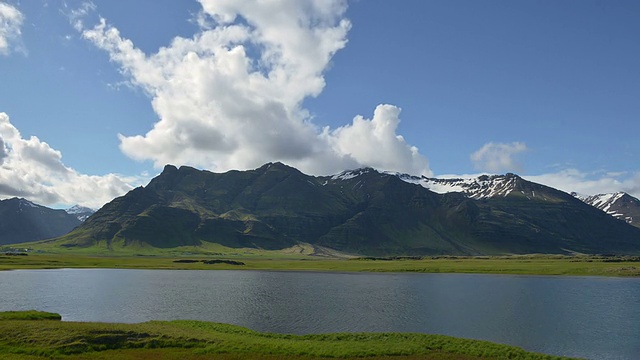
<point x="81" y="212"/>
<point x="350" y="174"/>
<point x="481" y="187"/>
<point x="619" y="205"/>
<point x="25" y="202"/>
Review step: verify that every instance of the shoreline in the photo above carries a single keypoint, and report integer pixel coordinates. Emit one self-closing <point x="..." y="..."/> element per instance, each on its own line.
<point x="35" y="335"/>
<point x="517" y="265"/>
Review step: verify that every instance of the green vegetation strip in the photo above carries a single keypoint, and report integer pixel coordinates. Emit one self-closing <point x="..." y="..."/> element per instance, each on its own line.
<point x="530" y="265"/>
<point x="40" y="337"/>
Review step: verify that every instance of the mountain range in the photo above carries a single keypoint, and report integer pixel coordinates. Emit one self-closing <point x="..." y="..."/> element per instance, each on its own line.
<point x="23" y="221"/>
<point x="361" y="211"/>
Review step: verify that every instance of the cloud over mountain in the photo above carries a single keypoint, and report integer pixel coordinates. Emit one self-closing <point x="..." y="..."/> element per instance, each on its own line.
<point x="498" y="157"/>
<point x="30" y="168"/>
<point x="10" y="23"/>
<point x="573" y="180"/>
<point x="231" y="96"/>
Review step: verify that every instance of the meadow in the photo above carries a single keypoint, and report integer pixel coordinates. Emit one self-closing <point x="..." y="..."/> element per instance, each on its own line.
<point x="527" y="265"/>
<point x="39" y="335"/>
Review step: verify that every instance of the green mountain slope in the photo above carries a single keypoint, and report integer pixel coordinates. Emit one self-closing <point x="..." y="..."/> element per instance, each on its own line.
<point x="361" y="212"/>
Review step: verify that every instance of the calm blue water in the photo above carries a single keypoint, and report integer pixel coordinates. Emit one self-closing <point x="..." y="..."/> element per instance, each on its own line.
<point x="591" y="317"/>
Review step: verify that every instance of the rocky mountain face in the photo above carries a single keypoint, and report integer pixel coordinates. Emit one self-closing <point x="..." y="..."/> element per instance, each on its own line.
<point x="23" y="221"/>
<point x="484" y="186"/>
<point x="620" y="205"/>
<point x="361" y="212"/>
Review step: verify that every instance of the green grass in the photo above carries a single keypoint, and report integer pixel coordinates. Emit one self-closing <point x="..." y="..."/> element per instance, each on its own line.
<point x="529" y="265"/>
<point x="29" y="315"/>
<point x="117" y="248"/>
<point x="36" y="339"/>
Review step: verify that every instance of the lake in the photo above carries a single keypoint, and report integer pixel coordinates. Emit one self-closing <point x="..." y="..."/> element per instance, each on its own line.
<point x="590" y="317"/>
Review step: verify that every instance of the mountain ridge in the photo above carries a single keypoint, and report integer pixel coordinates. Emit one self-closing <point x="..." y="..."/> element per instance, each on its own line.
<point x="620" y="205"/>
<point x="361" y="211"/>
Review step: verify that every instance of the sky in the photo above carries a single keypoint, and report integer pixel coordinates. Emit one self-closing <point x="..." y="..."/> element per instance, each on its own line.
<point x="97" y="96"/>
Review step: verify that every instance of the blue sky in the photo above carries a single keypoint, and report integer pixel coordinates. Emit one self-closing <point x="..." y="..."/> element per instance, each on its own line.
<point x="547" y="89"/>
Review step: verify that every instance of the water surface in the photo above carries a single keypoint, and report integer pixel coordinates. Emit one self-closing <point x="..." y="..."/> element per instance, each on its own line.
<point x="591" y="317"/>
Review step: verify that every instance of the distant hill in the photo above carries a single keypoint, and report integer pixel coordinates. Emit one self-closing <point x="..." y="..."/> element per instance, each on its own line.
<point x="360" y="212"/>
<point x="23" y="221"/>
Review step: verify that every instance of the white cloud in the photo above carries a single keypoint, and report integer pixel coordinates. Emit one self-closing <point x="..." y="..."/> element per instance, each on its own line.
<point x="76" y="16"/>
<point x="375" y="142"/>
<point x="572" y="180"/>
<point x="498" y="157"/>
<point x="30" y="168"/>
<point x="231" y="96"/>
<point x="10" y="24"/>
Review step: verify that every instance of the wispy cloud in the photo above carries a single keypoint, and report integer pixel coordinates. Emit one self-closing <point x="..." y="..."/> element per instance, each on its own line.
<point x="231" y="96"/>
<point x="10" y="29"/>
<point x="498" y="157"/>
<point x="573" y="180"/>
<point x="77" y="15"/>
<point x="30" y="168"/>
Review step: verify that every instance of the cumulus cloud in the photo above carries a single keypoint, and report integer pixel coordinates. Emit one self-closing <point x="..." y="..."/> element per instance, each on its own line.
<point x="30" y="168"/>
<point x="231" y="96"/>
<point x="375" y="142"/>
<point x="498" y="157"/>
<point x="10" y="24"/>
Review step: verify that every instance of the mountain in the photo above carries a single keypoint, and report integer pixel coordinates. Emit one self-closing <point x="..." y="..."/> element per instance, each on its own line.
<point x="23" y="221"/>
<point x="619" y="205"/>
<point x="80" y="212"/>
<point x="360" y="212"/>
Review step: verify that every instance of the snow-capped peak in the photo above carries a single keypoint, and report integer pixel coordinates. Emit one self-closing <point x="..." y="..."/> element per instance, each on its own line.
<point x="81" y="212"/>
<point x="350" y="174"/>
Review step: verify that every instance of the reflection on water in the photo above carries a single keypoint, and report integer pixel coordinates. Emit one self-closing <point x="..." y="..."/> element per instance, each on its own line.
<point x="587" y="317"/>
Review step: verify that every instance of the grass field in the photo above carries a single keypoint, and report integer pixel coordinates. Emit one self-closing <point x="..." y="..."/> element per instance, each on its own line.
<point x="532" y="265"/>
<point x="37" y="335"/>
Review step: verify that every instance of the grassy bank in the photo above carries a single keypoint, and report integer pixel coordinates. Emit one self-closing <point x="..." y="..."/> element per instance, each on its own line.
<point x="531" y="265"/>
<point x="36" y="335"/>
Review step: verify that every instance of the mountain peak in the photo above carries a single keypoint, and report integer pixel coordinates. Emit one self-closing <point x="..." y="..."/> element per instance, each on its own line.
<point x="275" y="165"/>
<point x="80" y="212"/>
<point x="350" y="174"/>
<point x="21" y="201"/>
<point x="618" y="204"/>
<point x="169" y="168"/>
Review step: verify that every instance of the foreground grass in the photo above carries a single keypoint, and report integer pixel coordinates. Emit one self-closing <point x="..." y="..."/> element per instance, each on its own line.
<point x="33" y="335"/>
<point x="530" y="265"/>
